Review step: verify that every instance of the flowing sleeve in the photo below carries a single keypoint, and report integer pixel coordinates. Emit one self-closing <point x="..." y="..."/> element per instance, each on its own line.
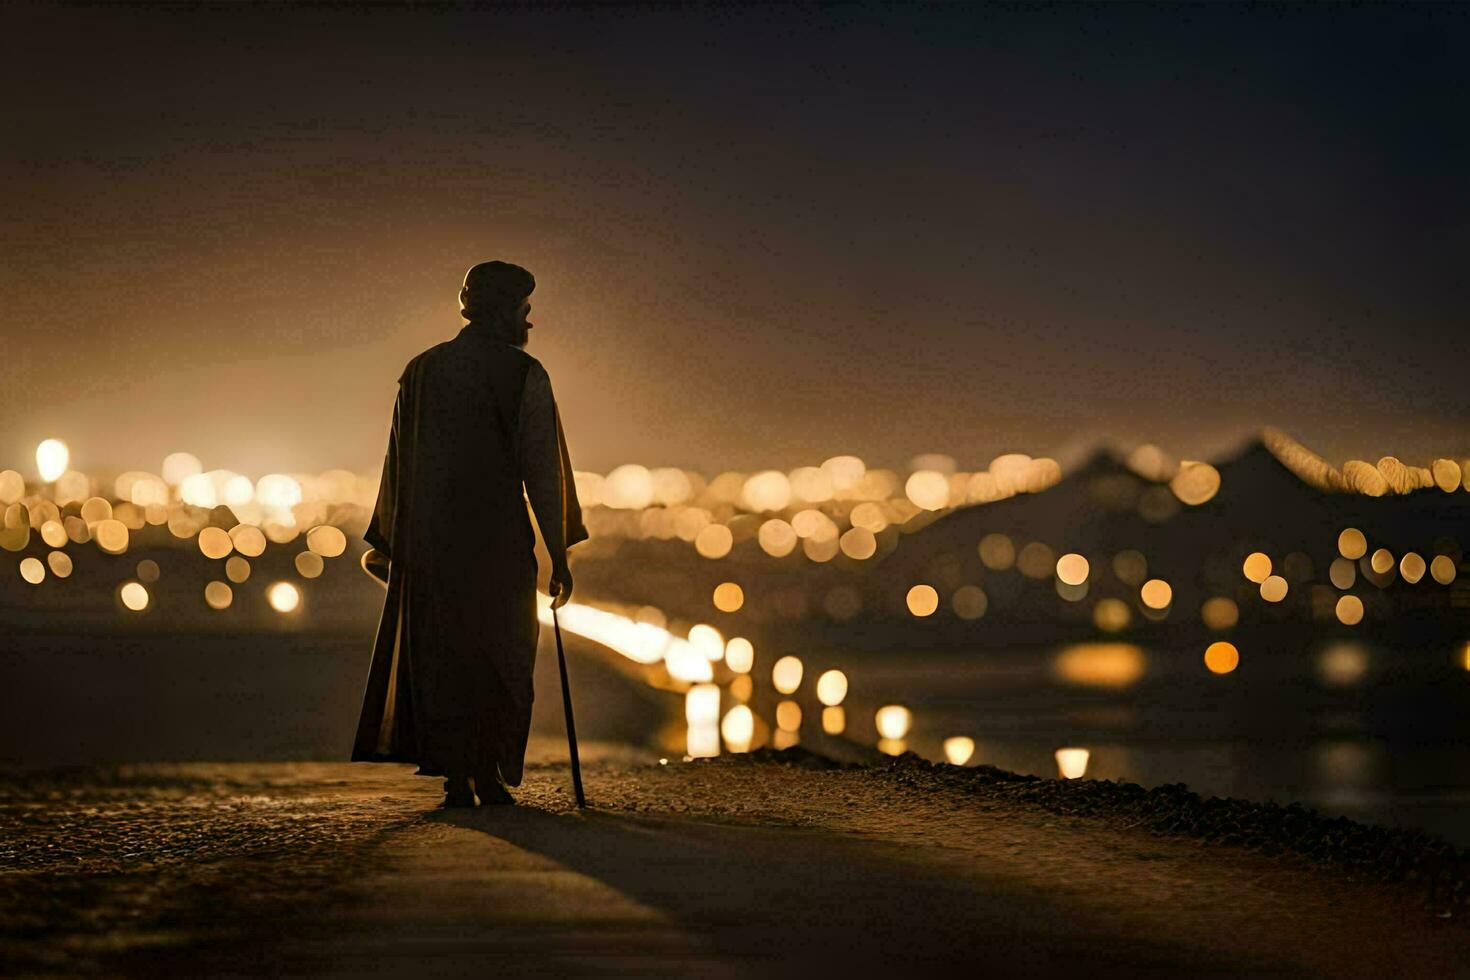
<point x="546" y="466"/>
<point x="379" y="532"/>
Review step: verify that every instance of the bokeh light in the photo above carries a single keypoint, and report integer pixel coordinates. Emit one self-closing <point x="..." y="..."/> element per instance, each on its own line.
<point x="1352" y="544"/>
<point x="958" y="749"/>
<point x="1072" y="568"/>
<point x="134" y="596"/>
<point x="1072" y="762"/>
<point x="32" y="570"/>
<point x="1219" y="613"/>
<point x="1221" y="657"/>
<point x="893" y="721"/>
<point x="1274" y="588"/>
<point x="728" y="597"/>
<point x="922" y="600"/>
<point x="832" y="687"/>
<point x="283" y="597"/>
<point x="786" y="674"/>
<point x="52" y="459"/>
<point x="969" y="602"/>
<point x="218" y="595"/>
<point x="1156" y="594"/>
<point x="739" y="655"/>
<point x="1349" y="610"/>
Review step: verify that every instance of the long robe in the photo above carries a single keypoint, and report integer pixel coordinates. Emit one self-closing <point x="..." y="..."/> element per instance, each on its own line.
<point x="450" y="684"/>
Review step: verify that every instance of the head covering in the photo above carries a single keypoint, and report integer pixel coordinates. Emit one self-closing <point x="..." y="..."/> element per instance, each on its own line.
<point x="494" y="288"/>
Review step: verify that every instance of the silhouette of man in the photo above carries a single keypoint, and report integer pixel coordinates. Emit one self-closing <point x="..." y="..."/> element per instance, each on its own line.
<point x="450" y="685"/>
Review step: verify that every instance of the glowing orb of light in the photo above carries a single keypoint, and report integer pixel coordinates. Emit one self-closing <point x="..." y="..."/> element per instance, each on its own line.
<point x="12" y="487"/>
<point x="1107" y="665"/>
<point x="96" y="509"/>
<point x="741" y="688"/>
<point x="892" y="721"/>
<point x="922" y="601"/>
<point x="714" y="541"/>
<point x="178" y="467"/>
<point x="844" y="471"/>
<point x="1220" y="613"/>
<point x="283" y="597"/>
<point x="215" y="542"/>
<point x="1443" y="569"/>
<point x="60" y="563"/>
<point x="685" y="663"/>
<point x="198" y="490"/>
<point x="1221" y="657"/>
<point x="1036" y="560"/>
<point x="629" y="487"/>
<point x="786" y="674"/>
<point x="928" y="489"/>
<point x="834" y="720"/>
<point x="309" y="564"/>
<point x="707" y="640"/>
<point x="766" y="490"/>
<point x="702" y="704"/>
<point x="671" y="486"/>
<point x="969" y="602"/>
<point x="1274" y="588"/>
<point x="738" y="728"/>
<point x="326" y="540"/>
<point x="54" y="534"/>
<point x="788" y="716"/>
<point x="237" y="569"/>
<point x="1196" y="483"/>
<point x="739" y="655"/>
<point x="997" y="552"/>
<point x="832" y="687"/>
<point x="1447" y="474"/>
<point x="1257" y="566"/>
<point x="777" y="538"/>
<point x="869" y="516"/>
<point x="958" y="749"/>
<point x="1156" y="593"/>
<point x="858" y="543"/>
<point x="811" y="484"/>
<point x="218" y="595"/>
<point x="236" y="490"/>
<point x="1412" y="568"/>
<point x="1342" y="664"/>
<point x="277" y="490"/>
<point x="248" y="540"/>
<point x="134" y="596"/>
<point x="1349" y="610"/>
<point x="1072" y="762"/>
<point x="1072" y="568"/>
<point x="52" y="458"/>
<point x="820" y="548"/>
<point x="1381" y="561"/>
<point x="32" y="570"/>
<point x="1111" y="615"/>
<point x="112" y="536"/>
<point x="1342" y="573"/>
<point x="728" y="597"/>
<point x="1351" y="544"/>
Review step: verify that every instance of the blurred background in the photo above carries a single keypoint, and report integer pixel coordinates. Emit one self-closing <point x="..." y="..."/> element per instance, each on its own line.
<point x="1078" y="391"/>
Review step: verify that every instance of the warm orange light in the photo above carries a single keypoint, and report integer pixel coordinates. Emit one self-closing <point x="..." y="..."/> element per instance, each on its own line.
<point x="1221" y="657"/>
<point x="922" y="600"/>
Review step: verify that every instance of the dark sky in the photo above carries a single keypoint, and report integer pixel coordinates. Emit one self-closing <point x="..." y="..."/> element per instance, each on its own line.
<point x="760" y="238"/>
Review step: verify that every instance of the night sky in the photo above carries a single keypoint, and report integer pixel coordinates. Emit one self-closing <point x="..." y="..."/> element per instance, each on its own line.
<point x="760" y="238"/>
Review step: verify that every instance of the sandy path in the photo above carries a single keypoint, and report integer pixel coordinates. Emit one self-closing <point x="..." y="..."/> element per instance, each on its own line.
<point x="710" y="869"/>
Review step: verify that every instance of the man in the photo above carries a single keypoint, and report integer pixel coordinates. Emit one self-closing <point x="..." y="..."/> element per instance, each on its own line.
<point x="450" y="685"/>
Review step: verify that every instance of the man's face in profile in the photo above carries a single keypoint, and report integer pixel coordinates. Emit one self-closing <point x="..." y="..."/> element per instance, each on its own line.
<point x="522" y="320"/>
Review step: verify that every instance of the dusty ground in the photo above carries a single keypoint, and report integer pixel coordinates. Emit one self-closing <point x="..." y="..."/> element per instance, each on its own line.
<point x="708" y="868"/>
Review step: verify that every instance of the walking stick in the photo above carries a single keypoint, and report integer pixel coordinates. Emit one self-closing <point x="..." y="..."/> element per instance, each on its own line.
<point x="566" y="700"/>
